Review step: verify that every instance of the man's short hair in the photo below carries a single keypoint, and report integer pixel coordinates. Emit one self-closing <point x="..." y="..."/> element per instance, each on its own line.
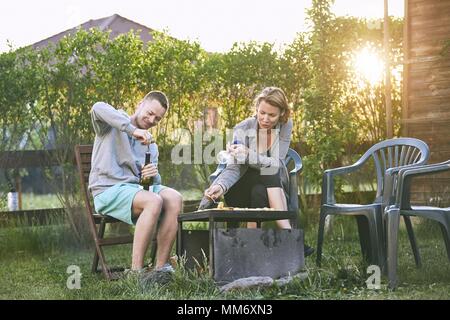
<point x="158" y="96"/>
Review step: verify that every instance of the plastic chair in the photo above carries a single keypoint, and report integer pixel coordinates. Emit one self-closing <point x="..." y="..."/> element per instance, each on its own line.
<point x="402" y="207"/>
<point x="389" y="156"/>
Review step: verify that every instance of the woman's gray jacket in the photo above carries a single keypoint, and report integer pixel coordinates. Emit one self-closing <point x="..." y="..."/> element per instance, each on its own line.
<point x="246" y="132"/>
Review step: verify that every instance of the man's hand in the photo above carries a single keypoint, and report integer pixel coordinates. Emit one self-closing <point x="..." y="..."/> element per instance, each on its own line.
<point x="149" y="171"/>
<point x="143" y="135"/>
<point x="214" y="192"/>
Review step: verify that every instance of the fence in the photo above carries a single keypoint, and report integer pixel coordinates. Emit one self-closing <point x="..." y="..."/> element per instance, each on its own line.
<point x="26" y="159"/>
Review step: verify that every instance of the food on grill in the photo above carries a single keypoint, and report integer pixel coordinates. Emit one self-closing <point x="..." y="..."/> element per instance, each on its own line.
<point x="222" y="207"/>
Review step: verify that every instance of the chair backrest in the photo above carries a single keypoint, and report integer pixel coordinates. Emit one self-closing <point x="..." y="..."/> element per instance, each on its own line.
<point x="83" y="155"/>
<point x="394" y="153"/>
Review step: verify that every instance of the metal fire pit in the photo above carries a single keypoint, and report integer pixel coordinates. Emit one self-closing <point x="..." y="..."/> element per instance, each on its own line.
<point x="234" y="253"/>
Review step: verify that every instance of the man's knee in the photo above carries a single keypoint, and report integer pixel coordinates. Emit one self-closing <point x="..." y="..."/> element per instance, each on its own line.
<point x="153" y="200"/>
<point x="172" y="199"/>
<point x="147" y="200"/>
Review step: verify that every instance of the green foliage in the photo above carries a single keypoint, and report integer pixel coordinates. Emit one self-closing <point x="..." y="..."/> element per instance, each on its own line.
<point x="242" y="72"/>
<point x="46" y="94"/>
<point x="19" y="89"/>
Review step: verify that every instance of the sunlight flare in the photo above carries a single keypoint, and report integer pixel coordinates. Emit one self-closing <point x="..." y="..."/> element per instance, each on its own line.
<point x="368" y="66"/>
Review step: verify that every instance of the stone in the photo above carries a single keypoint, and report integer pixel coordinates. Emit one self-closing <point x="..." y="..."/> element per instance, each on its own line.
<point x="247" y="283"/>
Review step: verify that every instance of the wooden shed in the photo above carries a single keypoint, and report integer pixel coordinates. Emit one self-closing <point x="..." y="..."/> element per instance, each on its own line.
<point x="426" y="91"/>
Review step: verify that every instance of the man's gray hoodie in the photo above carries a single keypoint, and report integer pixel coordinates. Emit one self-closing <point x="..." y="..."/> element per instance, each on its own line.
<point x="117" y="157"/>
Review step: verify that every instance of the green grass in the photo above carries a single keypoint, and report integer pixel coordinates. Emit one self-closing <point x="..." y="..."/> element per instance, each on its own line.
<point x="38" y="271"/>
<point x="40" y="201"/>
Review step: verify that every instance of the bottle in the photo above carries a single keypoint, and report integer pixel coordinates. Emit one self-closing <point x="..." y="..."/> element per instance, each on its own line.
<point x="224" y="157"/>
<point x="146" y="182"/>
<point x="13" y="200"/>
<point x="151" y="156"/>
<point x="240" y="157"/>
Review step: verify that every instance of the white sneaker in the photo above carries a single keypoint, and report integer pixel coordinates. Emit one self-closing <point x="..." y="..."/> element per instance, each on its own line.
<point x="166" y="268"/>
<point x="130" y="273"/>
<point x="160" y="276"/>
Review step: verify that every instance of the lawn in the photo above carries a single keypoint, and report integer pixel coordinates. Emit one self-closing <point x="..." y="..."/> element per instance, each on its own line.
<point x="36" y="269"/>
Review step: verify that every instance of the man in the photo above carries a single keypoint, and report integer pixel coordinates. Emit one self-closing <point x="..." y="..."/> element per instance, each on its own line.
<point x="117" y="167"/>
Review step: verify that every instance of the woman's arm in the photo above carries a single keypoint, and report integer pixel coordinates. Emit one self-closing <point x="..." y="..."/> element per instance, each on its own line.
<point x="229" y="176"/>
<point x="233" y="172"/>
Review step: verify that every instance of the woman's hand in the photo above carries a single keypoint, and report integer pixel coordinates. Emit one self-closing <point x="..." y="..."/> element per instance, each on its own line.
<point x="143" y="135"/>
<point x="214" y="192"/>
<point x="149" y="171"/>
<point x="238" y="151"/>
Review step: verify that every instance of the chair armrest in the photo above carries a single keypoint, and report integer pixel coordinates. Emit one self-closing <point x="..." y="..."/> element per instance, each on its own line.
<point x="328" y="182"/>
<point x="425" y="169"/>
<point x="390" y="185"/>
<point x="297" y="169"/>
<point x="392" y="171"/>
<point x="406" y="175"/>
<point x="297" y="161"/>
<point x="216" y="173"/>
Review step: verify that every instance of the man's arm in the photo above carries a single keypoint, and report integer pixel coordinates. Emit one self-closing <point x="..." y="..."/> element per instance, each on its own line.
<point x="105" y="116"/>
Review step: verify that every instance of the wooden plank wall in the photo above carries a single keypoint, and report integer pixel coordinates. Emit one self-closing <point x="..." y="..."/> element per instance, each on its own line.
<point x="426" y="100"/>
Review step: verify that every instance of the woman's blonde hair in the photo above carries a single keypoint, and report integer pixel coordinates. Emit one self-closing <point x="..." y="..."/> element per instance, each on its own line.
<point x="275" y="97"/>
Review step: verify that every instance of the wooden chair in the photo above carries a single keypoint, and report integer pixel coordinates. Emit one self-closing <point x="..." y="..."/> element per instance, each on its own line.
<point x="98" y="222"/>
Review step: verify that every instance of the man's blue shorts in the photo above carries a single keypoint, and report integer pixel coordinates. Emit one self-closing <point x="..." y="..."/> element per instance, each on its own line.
<point x="117" y="201"/>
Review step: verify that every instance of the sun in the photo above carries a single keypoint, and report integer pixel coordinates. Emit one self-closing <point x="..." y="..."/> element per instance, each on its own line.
<point x="368" y="66"/>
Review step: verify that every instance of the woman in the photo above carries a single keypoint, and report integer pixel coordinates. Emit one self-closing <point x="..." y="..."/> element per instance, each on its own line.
<point x="261" y="178"/>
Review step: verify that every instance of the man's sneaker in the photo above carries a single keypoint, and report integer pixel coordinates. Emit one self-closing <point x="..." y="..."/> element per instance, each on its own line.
<point x="308" y="250"/>
<point x="133" y="273"/>
<point x="166" y="268"/>
<point x="159" y="276"/>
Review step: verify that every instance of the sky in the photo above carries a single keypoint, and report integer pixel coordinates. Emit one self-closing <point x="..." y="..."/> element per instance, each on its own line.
<point x="216" y="25"/>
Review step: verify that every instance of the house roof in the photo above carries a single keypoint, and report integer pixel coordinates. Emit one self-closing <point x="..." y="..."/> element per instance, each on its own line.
<point x="116" y="23"/>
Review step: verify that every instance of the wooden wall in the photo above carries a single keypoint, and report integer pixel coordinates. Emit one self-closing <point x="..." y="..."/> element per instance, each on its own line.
<point x="426" y="94"/>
